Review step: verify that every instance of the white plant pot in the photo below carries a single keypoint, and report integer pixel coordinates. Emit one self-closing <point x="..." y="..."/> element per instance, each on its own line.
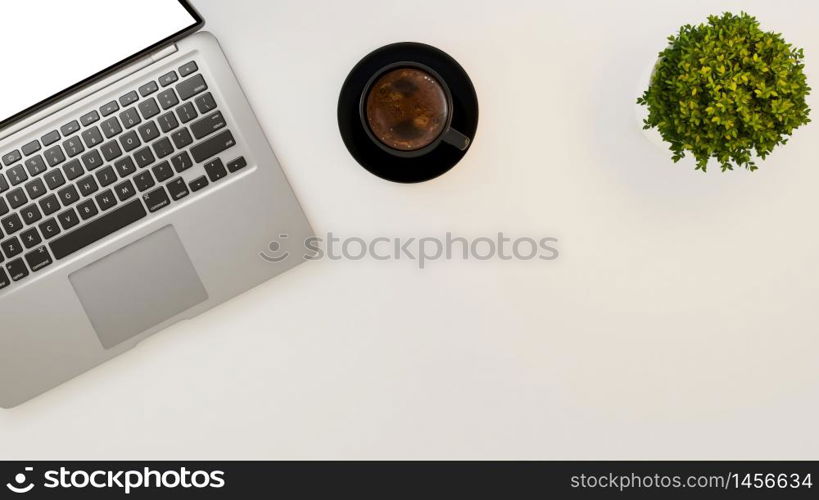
<point x="641" y="112"/>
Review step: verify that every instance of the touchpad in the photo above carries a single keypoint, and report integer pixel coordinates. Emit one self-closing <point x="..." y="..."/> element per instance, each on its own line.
<point x="138" y="287"/>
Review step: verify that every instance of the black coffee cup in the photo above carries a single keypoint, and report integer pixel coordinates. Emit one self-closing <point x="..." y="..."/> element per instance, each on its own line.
<point x="406" y="109"/>
<point x="396" y="141"/>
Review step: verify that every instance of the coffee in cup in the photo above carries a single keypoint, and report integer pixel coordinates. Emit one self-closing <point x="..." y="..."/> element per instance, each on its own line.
<point x="406" y="109"/>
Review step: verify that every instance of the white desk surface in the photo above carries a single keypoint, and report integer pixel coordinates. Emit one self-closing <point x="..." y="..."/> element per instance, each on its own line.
<point x="680" y="321"/>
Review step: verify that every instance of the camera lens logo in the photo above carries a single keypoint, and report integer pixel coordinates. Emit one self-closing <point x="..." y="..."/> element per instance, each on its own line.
<point x="20" y="480"/>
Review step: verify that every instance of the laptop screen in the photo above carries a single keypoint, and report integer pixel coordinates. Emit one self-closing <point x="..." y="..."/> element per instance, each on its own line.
<point x="51" y="47"/>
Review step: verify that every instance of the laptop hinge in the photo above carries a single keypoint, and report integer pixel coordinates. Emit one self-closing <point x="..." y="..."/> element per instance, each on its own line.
<point x="89" y="90"/>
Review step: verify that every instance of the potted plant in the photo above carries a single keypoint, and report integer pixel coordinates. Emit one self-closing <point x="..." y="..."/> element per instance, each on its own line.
<point x="727" y="90"/>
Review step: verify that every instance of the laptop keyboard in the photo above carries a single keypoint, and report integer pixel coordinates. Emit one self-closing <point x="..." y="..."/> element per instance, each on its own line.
<point x="109" y="168"/>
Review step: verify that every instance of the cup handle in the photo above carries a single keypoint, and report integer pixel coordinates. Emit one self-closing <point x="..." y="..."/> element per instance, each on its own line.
<point x="457" y="139"/>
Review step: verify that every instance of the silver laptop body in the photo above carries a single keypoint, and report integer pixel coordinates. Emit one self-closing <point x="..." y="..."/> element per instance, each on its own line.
<point x="78" y="306"/>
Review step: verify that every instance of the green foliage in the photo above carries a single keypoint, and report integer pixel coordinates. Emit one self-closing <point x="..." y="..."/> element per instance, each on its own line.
<point x="726" y="90"/>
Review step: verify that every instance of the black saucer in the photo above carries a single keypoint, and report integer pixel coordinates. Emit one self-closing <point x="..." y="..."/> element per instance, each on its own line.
<point x="374" y="158"/>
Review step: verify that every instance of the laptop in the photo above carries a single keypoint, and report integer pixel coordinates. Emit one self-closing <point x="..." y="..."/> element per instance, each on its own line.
<point x="137" y="188"/>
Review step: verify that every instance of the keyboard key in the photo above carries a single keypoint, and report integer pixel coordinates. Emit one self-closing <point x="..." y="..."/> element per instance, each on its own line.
<point x="106" y="176"/>
<point x="16" y="198"/>
<point x="68" y="195"/>
<point x="4" y="184"/>
<point x="130" y="118"/>
<point x="49" y="228"/>
<point x="12" y="224"/>
<point x="111" y="150"/>
<point x="4" y="208"/>
<point x="156" y="199"/>
<point x="92" y="160"/>
<point x="129" y="141"/>
<point x="106" y="200"/>
<point x="213" y="146"/>
<point x="92" y="137"/>
<point x="17" y="269"/>
<point x="167" y="99"/>
<point x="31" y="238"/>
<point x="167" y="122"/>
<point x="35" y="165"/>
<point x="87" y="185"/>
<point x="188" y="69"/>
<point x="192" y="86"/>
<point x="177" y="188"/>
<point x="186" y="112"/>
<point x="144" y="157"/>
<point x="208" y="125"/>
<point x="124" y="190"/>
<point x="98" y="229"/>
<point x="35" y="189"/>
<point x="73" y="146"/>
<point x="50" y="204"/>
<point x="163" y="148"/>
<point x="38" y="259"/>
<point x="111" y="127"/>
<point x="12" y="157"/>
<point x="68" y="219"/>
<point x="54" y="179"/>
<point x="87" y="209"/>
<point x="149" y="108"/>
<point x="162" y="171"/>
<point x="17" y="175"/>
<point x="182" y="162"/>
<point x="199" y="183"/>
<point x="89" y="118"/>
<point x="70" y="128"/>
<point x="148" y="89"/>
<point x="148" y="132"/>
<point x="144" y="180"/>
<point x="31" y="148"/>
<point x="50" y="138"/>
<point x="73" y="169"/>
<point x="215" y="170"/>
<point x="168" y="78"/>
<point x="54" y="156"/>
<point x="125" y="167"/>
<point x="110" y="108"/>
<point x="11" y="247"/>
<point x="205" y="103"/>
<point x="31" y="214"/>
<point x="4" y="279"/>
<point x="128" y="99"/>
<point x="237" y="164"/>
<point x="181" y="138"/>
